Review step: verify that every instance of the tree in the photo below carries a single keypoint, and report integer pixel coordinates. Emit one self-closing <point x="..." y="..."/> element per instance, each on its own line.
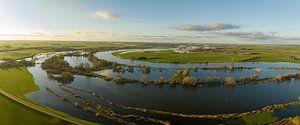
<point x="185" y="72"/>
<point x="56" y="63"/>
<point x="146" y="69"/>
<point x="66" y="77"/>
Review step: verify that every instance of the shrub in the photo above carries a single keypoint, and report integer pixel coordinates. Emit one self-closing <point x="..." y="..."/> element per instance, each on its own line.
<point x="258" y="70"/>
<point x="141" y="58"/>
<point x="280" y="78"/>
<point x="98" y="63"/>
<point x="195" y="69"/>
<point x="298" y="75"/>
<point x="229" y="81"/>
<point x="230" y="68"/>
<point x="193" y="81"/>
<point x="67" y="77"/>
<point x="83" y="68"/>
<point x="160" y="81"/>
<point x="146" y="69"/>
<point x="130" y="69"/>
<point x="144" y="79"/>
<point x="118" y="69"/>
<point x="121" y="80"/>
<point x="185" y="72"/>
<point x="213" y="79"/>
<point x="177" y="78"/>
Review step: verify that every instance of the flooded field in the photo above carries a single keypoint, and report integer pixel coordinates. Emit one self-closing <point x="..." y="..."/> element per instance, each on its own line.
<point x="201" y="100"/>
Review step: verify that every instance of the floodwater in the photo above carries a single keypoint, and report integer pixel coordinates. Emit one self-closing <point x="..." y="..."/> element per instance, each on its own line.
<point x="200" y="100"/>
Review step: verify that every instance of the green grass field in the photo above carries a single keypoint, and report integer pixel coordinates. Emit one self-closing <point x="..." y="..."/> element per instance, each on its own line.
<point x="232" y="53"/>
<point x="21" y="49"/>
<point x="259" y="119"/>
<point x="255" y="119"/>
<point x="18" y="82"/>
<point x="13" y="113"/>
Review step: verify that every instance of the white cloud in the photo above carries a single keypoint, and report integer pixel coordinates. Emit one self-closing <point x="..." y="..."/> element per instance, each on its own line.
<point x="105" y="15"/>
<point x="250" y="35"/>
<point x="205" y="27"/>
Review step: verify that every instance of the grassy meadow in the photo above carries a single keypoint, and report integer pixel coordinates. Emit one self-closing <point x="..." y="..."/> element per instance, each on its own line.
<point x="13" y="113"/>
<point x="12" y="50"/>
<point x="17" y="82"/>
<point x="229" y="53"/>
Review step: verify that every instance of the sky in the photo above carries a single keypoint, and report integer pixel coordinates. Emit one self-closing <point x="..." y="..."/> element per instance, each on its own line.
<point x="197" y="21"/>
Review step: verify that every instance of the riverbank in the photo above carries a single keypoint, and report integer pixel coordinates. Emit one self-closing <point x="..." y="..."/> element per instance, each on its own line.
<point x="133" y="72"/>
<point x="288" y="121"/>
<point x="14" y="87"/>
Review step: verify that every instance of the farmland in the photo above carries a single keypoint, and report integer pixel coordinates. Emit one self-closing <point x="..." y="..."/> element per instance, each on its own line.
<point x="226" y="53"/>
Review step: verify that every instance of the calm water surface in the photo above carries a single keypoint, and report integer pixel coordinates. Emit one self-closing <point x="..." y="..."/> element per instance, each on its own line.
<point x="201" y="100"/>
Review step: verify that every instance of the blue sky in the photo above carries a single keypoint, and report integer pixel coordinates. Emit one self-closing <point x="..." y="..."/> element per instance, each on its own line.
<point x="203" y="21"/>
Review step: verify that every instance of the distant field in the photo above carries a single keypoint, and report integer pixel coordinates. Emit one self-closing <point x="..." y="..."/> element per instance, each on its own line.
<point x="228" y="53"/>
<point x="21" y="49"/>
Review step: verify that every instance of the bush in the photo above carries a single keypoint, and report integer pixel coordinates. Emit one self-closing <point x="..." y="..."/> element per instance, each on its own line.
<point x="130" y="69"/>
<point x="118" y="69"/>
<point x="179" y="76"/>
<point x="257" y="70"/>
<point x="193" y="81"/>
<point x="160" y="81"/>
<point x="185" y="72"/>
<point x="195" y="69"/>
<point x="146" y="69"/>
<point x="229" y="81"/>
<point x="65" y="77"/>
<point x="98" y="63"/>
<point x="121" y="80"/>
<point x="280" y="78"/>
<point x="144" y="79"/>
<point x="141" y="58"/>
<point x="83" y="68"/>
<point x="213" y="79"/>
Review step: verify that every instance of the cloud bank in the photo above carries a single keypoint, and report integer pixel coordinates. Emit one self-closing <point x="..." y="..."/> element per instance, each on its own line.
<point x="250" y="35"/>
<point x="205" y="27"/>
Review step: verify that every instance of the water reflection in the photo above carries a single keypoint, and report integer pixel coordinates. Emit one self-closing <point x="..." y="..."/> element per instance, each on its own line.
<point x="202" y="100"/>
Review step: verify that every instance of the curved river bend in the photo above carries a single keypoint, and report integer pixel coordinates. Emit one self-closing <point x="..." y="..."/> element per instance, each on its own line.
<point x="201" y="100"/>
